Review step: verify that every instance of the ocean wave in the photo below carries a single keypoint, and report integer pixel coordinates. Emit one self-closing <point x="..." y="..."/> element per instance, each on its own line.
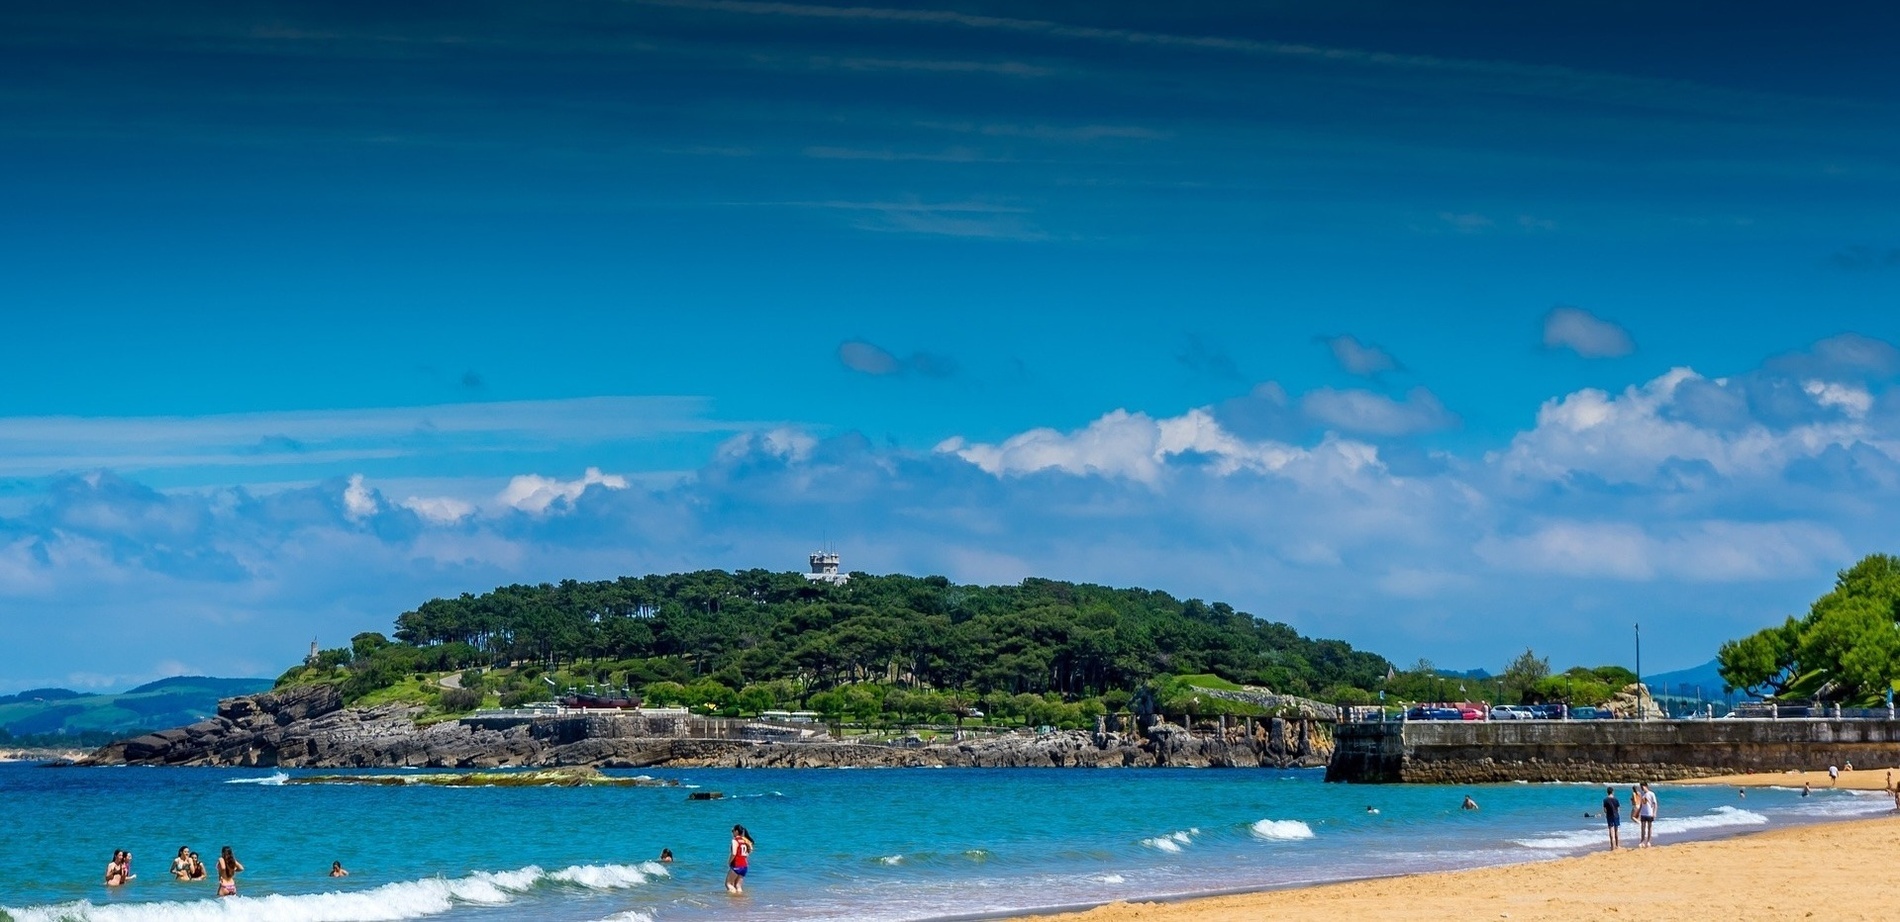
<point x="1719" y="818"/>
<point x="1281" y="830"/>
<point x="631" y="915"/>
<point x="1109" y="879"/>
<point x="411" y="899"/>
<point x="891" y="859"/>
<point x="1173" y="841"/>
<point x="274" y="780"/>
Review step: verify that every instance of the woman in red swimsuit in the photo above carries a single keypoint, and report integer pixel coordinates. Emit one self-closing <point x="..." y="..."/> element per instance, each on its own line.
<point x="741" y="859"/>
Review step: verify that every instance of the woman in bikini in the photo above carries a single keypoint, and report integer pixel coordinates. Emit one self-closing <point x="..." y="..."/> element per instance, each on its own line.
<point x="740" y="861"/>
<point x="115" y="871"/>
<point x="197" y="867"/>
<point x="228" y="868"/>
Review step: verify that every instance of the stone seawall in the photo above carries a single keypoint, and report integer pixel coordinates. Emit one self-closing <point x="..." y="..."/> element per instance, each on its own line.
<point x="1448" y="752"/>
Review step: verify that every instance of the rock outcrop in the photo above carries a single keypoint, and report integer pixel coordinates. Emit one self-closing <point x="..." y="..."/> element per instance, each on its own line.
<point x="308" y="727"/>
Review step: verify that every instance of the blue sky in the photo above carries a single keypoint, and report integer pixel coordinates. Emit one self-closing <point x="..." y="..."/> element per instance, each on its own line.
<point x="1447" y="329"/>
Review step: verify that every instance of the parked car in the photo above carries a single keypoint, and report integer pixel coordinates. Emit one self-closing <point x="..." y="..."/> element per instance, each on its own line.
<point x="1512" y="712"/>
<point x="1469" y="713"/>
<point x="1422" y="712"/>
<point x="1548" y="711"/>
<point x="1583" y="713"/>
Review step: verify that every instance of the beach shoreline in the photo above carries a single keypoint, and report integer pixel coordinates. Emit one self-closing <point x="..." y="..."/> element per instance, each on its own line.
<point x="1791" y="872"/>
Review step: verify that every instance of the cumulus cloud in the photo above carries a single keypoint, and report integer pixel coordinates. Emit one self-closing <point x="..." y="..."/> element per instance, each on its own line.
<point x="1358" y="358"/>
<point x="1723" y="502"/>
<point x="535" y="493"/>
<point x="1586" y="334"/>
<point x="872" y="359"/>
<point x="358" y="502"/>
<point x="1369" y="413"/>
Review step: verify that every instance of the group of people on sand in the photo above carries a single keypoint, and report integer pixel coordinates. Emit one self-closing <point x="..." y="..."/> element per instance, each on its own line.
<point x="1643" y="806"/>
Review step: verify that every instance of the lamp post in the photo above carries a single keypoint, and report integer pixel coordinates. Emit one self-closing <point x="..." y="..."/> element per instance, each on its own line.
<point x="1641" y="712"/>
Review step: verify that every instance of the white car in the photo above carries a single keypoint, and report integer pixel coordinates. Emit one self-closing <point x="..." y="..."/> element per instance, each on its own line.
<point x="1512" y="712"/>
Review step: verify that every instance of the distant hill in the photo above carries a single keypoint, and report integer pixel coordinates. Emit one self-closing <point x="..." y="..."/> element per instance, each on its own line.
<point x="165" y="703"/>
<point x="1707" y="677"/>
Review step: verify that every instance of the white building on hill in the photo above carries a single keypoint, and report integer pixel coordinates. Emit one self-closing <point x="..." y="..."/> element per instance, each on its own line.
<point x="824" y="569"/>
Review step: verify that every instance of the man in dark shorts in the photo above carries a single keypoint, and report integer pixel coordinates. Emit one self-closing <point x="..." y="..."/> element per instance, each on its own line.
<point x="1612" y="814"/>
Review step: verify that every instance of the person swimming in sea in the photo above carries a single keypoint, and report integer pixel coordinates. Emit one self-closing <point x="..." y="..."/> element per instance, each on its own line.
<point x="1469" y="804"/>
<point x="740" y="861"/>
<point x="336" y="869"/>
<point x="228" y="868"/>
<point x="666" y="856"/>
<point x="116" y="875"/>
<point x="1372" y="810"/>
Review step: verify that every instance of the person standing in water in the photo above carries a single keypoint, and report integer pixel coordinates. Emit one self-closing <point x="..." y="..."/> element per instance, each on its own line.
<point x="336" y="869"/>
<point x="1646" y="815"/>
<point x="228" y="868"/>
<point x="741" y="860"/>
<point x="1612" y="810"/>
<point x="181" y="865"/>
<point x="115" y="870"/>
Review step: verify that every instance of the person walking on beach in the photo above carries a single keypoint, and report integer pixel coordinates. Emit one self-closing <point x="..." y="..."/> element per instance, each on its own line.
<point x="228" y="868"/>
<point x="741" y="860"/>
<point x="1646" y="815"/>
<point x="1612" y="816"/>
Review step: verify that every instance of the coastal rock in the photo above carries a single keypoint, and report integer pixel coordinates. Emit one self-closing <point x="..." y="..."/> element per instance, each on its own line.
<point x="307" y="727"/>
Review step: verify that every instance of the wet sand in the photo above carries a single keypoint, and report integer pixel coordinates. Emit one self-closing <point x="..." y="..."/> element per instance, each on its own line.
<point x="1833" y="871"/>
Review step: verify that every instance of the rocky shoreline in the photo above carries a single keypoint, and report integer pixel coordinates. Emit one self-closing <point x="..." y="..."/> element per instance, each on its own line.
<point x="308" y="727"/>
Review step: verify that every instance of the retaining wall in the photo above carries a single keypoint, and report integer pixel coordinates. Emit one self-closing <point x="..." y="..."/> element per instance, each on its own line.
<point x="1442" y="752"/>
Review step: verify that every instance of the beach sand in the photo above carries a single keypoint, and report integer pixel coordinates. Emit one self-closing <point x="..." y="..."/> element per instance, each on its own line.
<point x="1835" y="872"/>
<point x="1860" y="779"/>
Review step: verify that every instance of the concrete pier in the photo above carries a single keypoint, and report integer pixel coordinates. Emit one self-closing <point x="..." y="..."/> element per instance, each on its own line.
<point x="1447" y="752"/>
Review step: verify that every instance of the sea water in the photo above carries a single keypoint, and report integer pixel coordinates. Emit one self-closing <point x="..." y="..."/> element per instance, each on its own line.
<point x="889" y="844"/>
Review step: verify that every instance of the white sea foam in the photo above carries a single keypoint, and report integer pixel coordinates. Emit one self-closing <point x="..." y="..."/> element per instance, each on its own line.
<point x="274" y="780"/>
<point x="631" y="915"/>
<point x="1719" y="818"/>
<point x="412" y="899"/>
<point x="1281" y="830"/>
<point x="1173" y="841"/>
<point x="1109" y="879"/>
<point x="891" y="859"/>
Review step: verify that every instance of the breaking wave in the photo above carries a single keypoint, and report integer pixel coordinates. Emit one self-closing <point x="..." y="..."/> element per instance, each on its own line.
<point x="411" y="899"/>
<point x="1281" y="830"/>
<point x="1719" y="818"/>
<point x="273" y="780"/>
<point x="1172" y="842"/>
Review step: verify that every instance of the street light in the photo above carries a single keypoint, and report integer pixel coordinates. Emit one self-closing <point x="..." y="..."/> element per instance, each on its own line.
<point x="1641" y="712"/>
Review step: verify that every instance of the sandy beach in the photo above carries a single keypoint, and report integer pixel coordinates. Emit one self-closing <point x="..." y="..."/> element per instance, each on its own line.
<point x="1834" y="871"/>
<point x="1863" y="779"/>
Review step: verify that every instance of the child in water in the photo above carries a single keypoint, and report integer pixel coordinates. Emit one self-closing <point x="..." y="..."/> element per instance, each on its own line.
<point x="741" y="860"/>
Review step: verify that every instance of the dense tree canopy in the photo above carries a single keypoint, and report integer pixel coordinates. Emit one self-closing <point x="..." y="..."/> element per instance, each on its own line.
<point x="755" y="626"/>
<point x="1846" y="649"/>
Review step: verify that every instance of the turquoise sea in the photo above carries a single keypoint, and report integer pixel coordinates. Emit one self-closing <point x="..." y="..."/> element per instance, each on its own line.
<point x="832" y="844"/>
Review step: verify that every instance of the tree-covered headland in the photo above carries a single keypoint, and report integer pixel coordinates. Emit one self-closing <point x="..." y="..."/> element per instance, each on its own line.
<point x="876" y="647"/>
<point x="1846" y="649"/>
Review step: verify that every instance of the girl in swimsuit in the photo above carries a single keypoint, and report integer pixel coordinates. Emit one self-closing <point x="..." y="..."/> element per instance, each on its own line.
<point x="228" y="868"/>
<point x="197" y="867"/>
<point x="740" y="861"/>
<point x="115" y="871"/>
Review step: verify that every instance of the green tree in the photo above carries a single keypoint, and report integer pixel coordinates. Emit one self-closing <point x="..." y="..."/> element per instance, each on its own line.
<point x="1521" y="675"/>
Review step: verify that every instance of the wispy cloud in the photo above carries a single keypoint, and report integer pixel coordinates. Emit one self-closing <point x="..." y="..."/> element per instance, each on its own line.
<point x="872" y="359"/>
<point x="1357" y="358"/>
<point x="1586" y="334"/>
<point x="33" y="446"/>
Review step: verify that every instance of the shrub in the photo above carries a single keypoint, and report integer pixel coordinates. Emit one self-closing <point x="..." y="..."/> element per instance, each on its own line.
<point x="460" y="700"/>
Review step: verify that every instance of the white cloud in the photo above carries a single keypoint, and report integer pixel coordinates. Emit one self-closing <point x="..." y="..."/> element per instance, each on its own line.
<point x="1585" y="334"/>
<point x="1631" y="437"/>
<point x="1134" y="446"/>
<point x="358" y="502"/>
<point x="1362" y="411"/>
<point x="441" y="510"/>
<point x="535" y="493"/>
